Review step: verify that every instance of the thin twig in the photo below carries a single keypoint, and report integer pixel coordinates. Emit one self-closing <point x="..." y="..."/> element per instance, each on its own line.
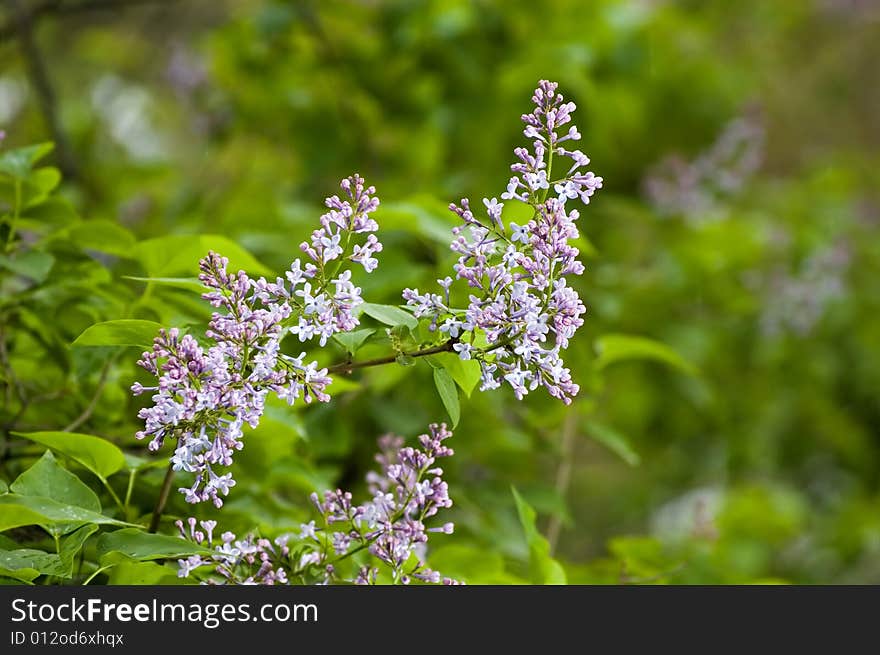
<point x="163" y="499"/>
<point x="445" y="347"/>
<point x="12" y="381"/>
<point x="39" y="77"/>
<point x="348" y="367"/>
<point x="87" y="412"/>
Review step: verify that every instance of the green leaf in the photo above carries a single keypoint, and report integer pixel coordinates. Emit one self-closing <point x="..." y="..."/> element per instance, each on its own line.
<point x="25" y="575"/>
<point x="614" y="441"/>
<point x="180" y="254"/>
<point x="121" y="332"/>
<point x="98" y="455"/>
<point x="466" y="373"/>
<point x="142" y="546"/>
<point x="188" y="283"/>
<point x="613" y="348"/>
<point x="100" y="235"/>
<point x="3" y="487"/>
<point x="472" y="564"/>
<point x="643" y="559"/>
<point x="44" y="180"/>
<point x="543" y="569"/>
<point x="138" y="463"/>
<point x="33" y="264"/>
<point x="49" y="479"/>
<point x="27" y="563"/>
<point x="16" y="510"/>
<point x="74" y="543"/>
<point x="390" y="315"/>
<point x="16" y="516"/>
<point x="352" y="341"/>
<point x="52" y="211"/>
<point x="19" y="162"/>
<point x="448" y="393"/>
<point x="143" y="573"/>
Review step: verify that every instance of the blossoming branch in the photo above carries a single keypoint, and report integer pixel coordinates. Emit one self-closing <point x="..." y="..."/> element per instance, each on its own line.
<point x="204" y="397"/>
<point x="521" y="310"/>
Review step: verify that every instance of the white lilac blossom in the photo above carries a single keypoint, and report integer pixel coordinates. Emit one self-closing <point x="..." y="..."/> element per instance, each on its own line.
<point x="521" y="310"/>
<point x="390" y="528"/>
<point x="207" y="394"/>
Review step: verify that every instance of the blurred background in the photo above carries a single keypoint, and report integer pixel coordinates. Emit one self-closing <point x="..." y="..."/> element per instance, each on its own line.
<point x="739" y="143"/>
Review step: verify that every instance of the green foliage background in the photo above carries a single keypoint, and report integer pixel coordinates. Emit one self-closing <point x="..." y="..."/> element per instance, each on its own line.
<point x="737" y="454"/>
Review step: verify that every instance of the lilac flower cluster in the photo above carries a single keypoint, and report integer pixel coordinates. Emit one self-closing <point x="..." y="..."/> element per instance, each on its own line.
<point x="521" y="311"/>
<point x="693" y="189"/>
<point x="390" y="527"/>
<point x="206" y="395"/>
<point x="520" y="315"/>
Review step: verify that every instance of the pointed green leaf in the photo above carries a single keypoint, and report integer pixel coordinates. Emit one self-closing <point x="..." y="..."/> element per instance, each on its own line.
<point x="121" y="332"/>
<point x="448" y="393"/>
<point x="33" y="264"/>
<point x="390" y="315"/>
<point x="143" y="573"/>
<point x="98" y="455"/>
<point x="74" y="542"/>
<point x="137" y="463"/>
<point x="19" y="162"/>
<point x="100" y="235"/>
<point x="466" y="373"/>
<point x="26" y="564"/>
<point x="42" y="182"/>
<point x="188" y="283"/>
<point x="352" y="341"/>
<point x="53" y="212"/>
<point x="614" y="441"/>
<point x="180" y="254"/>
<point x="141" y="545"/>
<point x="25" y="575"/>
<point x="16" y="510"/>
<point x="543" y="568"/>
<point x="49" y="479"/>
<point x="15" y="516"/>
<point x="613" y="348"/>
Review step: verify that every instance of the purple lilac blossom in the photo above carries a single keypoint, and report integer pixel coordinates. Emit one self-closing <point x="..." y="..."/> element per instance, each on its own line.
<point x="798" y="300"/>
<point x="206" y="395"/>
<point x="390" y="526"/>
<point x="521" y="311"/>
<point x="695" y="188"/>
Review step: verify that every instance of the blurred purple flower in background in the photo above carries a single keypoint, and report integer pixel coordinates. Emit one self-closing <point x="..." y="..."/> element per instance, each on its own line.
<point x="694" y="189"/>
